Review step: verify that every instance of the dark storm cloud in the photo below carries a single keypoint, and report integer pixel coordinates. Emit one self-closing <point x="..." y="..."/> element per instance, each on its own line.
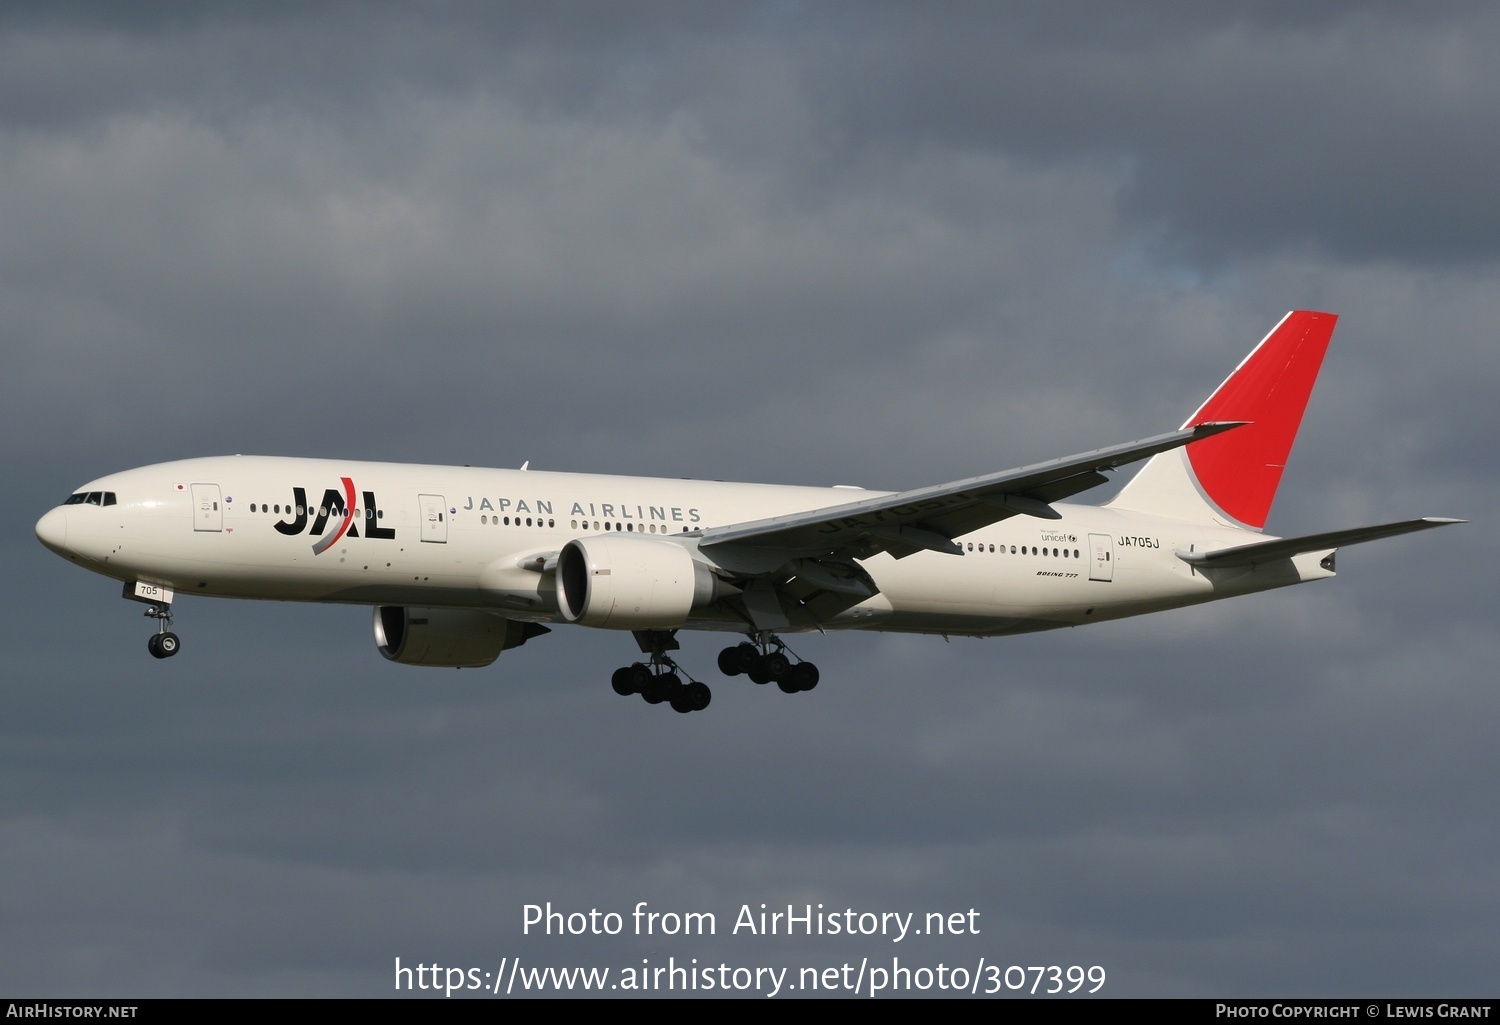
<point x="1355" y="130"/>
<point x="1359" y="130"/>
<point x="76" y="63"/>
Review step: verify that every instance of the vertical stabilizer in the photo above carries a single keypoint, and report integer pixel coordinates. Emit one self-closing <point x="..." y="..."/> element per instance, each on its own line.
<point x="1232" y="478"/>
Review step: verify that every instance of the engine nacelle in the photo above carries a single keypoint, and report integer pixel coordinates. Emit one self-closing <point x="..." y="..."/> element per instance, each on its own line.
<point x="456" y="638"/>
<point x="632" y="583"/>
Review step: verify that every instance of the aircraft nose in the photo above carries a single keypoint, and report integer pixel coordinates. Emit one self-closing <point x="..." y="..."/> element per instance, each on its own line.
<point x="52" y="530"/>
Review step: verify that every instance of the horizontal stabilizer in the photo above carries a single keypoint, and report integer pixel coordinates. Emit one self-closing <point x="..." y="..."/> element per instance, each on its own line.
<point x="1285" y="548"/>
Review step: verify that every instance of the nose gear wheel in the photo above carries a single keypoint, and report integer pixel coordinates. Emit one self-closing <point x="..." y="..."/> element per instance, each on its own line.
<point x="164" y="643"/>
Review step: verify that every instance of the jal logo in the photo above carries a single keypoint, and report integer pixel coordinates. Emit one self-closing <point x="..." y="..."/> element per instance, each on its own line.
<point x="340" y="507"/>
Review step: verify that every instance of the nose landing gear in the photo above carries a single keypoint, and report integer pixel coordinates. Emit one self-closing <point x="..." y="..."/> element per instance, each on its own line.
<point x="164" y="643"/>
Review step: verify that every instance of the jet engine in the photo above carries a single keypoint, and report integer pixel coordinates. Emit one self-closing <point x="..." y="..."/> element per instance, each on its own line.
<point x="632" y="583"/>
<point x="456" y="638"/>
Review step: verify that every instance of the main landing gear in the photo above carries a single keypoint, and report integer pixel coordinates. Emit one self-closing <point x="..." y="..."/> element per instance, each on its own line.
<point x="660" y="680"/>
<point x="768" y="662"/>
<point x="765" y="660"/>
<point x="164" y="643"/>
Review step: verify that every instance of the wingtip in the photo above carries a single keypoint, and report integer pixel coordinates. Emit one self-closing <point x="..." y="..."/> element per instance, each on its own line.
<point x="1209" y="428"/>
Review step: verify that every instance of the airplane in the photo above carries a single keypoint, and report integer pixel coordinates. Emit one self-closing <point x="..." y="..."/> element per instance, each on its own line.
<point x="462" y="563"/>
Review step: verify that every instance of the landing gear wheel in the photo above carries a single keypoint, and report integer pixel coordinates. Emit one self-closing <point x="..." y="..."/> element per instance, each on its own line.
<point x="698" y="695"/>
<point x="163" y="645"/>
<point x="757" y="672"/>
<point x="746" y="655"/>
<point x="804" y="676"/>
<point x="729" y="661"/>
<point x="691" y="697"/>
<point x="623" y="681"/>
<point x="640" y="677"/>
<point x="665" y="687"/>
<point x="775" y="665"/>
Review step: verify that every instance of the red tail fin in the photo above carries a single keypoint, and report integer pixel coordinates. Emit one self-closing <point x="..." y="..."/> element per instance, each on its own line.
<point x="1233" y="476"/>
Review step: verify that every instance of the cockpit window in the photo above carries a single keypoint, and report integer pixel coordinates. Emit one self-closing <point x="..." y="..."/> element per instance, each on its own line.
<point x="91" y="498"/>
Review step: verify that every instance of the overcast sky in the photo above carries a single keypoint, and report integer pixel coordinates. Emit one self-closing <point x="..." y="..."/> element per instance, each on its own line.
<point x="878" y="244"/>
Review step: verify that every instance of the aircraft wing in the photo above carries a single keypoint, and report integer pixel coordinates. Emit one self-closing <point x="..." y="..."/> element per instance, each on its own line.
<point x="930" y="518"/>
<point x="1285" y="548"/>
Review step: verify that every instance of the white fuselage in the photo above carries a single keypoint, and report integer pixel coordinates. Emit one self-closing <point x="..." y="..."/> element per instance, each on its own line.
<point x="394" y="534"/>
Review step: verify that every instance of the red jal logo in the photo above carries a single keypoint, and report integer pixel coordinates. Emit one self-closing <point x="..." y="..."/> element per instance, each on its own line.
<point x="337" y="505"/>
